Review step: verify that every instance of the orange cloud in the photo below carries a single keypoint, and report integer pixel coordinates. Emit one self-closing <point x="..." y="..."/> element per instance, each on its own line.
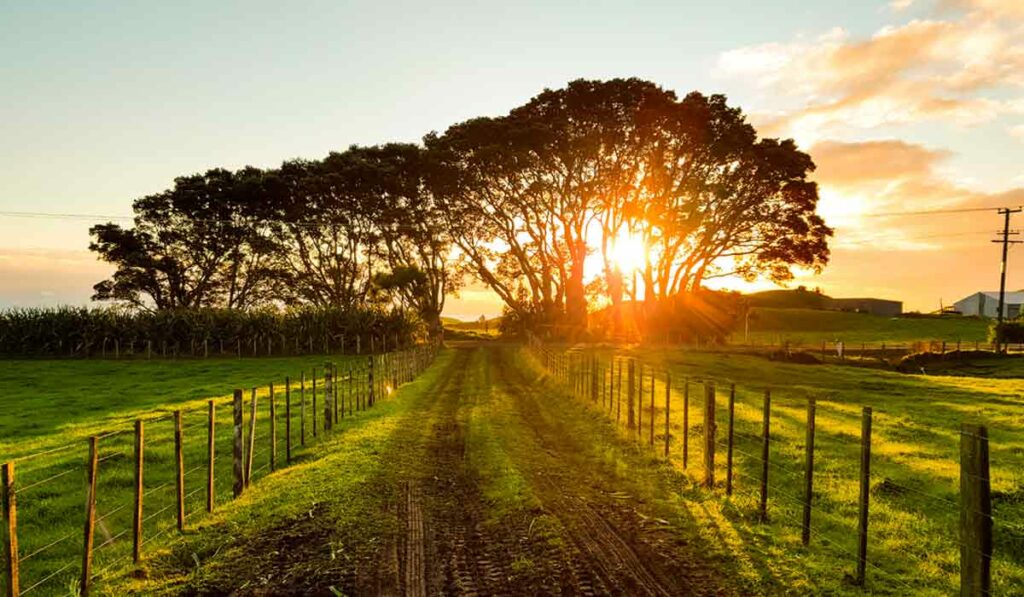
<point x="861" y="180"/>
<point x="922" y="70"/>
<point x="851" y="164"/>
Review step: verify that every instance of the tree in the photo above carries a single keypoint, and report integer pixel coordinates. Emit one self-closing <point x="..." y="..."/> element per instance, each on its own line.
<point x="719" y="202"/>
<point x="200" y="243"/>
<point x="522" y="191"/>
<point x="327" y="245"/>
<point x="359" y="222"/>
<point x="390" y="180"/>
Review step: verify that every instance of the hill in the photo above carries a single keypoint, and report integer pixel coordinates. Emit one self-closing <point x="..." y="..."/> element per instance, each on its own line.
<point x="800" y="298"/>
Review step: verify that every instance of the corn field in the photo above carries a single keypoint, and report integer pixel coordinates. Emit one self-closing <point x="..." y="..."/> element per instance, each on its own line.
<point x="114" y="333"/>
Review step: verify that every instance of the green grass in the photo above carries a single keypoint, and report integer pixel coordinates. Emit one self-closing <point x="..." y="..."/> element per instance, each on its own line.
<point x="915" y="473"/>
<point x="811" y="326"/>
<point x="332" y="498"/>
<point x="334" y="517"/>
<point x="52" y="407"/>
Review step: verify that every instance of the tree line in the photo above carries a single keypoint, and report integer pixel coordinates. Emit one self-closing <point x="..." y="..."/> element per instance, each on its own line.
<point x="526" y="203"/>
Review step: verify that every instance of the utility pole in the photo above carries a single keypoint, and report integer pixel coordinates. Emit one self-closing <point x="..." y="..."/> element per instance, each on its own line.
<point x="1006" y="211"/>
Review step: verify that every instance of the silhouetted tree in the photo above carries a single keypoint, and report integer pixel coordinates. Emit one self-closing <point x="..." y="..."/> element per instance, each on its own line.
<point x="198" y="244"/>
<point x="525" y="195"/>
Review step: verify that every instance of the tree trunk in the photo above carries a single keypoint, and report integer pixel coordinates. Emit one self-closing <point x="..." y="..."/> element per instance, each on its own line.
<point x="575" y="294"/>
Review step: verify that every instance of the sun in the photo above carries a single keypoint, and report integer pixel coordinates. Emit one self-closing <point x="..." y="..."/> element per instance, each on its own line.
<point x="629" y="253"/>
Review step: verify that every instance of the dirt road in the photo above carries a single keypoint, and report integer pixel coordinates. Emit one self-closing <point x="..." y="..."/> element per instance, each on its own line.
<point x="497" y="484"/>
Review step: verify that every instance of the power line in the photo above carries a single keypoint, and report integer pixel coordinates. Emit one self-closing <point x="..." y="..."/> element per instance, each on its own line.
<point x="104" y="217"/>
<point x="929" y="212"/>
<point x="911" y="239"/>
<point x="63" y="216"/>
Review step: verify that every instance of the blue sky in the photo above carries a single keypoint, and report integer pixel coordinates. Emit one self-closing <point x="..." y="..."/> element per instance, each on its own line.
<point x="105" y="102"/>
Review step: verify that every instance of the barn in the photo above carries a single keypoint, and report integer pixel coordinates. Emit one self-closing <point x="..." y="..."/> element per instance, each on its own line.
<point x="986" y="304"/>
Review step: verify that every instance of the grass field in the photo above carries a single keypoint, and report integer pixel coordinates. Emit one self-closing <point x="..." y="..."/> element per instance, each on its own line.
<point x="915" y="493"/>
<point x="52" y="407"/>
<point x="508" y="466"/>
<point x="502" y="464"/>
<point x="811" y="326"/>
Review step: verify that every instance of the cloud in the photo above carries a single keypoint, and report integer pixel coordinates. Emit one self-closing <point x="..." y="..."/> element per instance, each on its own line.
<point x="862" y="181"/>
<point x="920" y="259"/>
<point x="998" y="8"/>
<point x="964" y="70"/>
<point x="1017" y="131"/>
<point x="847" y="164"/>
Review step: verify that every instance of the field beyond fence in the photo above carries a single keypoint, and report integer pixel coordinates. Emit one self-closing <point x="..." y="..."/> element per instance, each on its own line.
<point x="862" y="495"/>
<point x="162" y="473"/>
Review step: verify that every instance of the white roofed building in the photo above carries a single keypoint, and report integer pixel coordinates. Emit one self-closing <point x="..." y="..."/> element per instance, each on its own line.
<point x="986" y="304"/>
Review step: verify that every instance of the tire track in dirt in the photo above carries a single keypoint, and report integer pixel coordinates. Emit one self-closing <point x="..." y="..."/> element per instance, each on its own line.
<point x="617" y="550"/>
<point x="461" y="558"/>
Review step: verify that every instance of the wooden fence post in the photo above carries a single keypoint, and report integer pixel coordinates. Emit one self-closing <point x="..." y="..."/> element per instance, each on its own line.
<point x="339" y="393"/>
<point x="975" y="512"/>
<point x="302" y="409"/>
<point x="334" y="390"/>
<point x="728" y="455"/>
<point x="287" y="420"/>
<point x="651" y="417"/>
<point x="668" y="401"/>
<point x="865" y="494"/>
<point x="328" y="388"/>
<point x="211" y="435"/>
<point x="273" y="429"/>
<point x="11" y="558"/>
<point x="640" y="404"/>
<point x="90" y="515"/>
<point x="370" y="383"/>
<point x="251" y="447"/>
<point x="618" y="395"/>
<point x="314" y="402"/>
<point x="350" y="387"/>
<point x="631" y="395"/>
<point x="236" y="456"/>
<point x="686" y="421"/>
<point x="766" y="421"/>
<point x="805" y="535"/>
<point x="709" y="435"/>
<point x="137" y="514"/>
<point x="179" y="464"/>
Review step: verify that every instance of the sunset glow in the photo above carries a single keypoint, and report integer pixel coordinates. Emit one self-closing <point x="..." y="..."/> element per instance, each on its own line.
<point x="629" y="253"/>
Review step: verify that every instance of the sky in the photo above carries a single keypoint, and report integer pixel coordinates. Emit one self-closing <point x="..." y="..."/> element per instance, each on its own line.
<point x="904" y="105"/>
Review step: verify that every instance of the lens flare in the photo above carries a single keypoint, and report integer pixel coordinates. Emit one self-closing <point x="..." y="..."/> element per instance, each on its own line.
<point x="629" y="253"/>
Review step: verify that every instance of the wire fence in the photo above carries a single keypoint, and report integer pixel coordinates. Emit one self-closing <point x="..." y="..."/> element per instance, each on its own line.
<point x="149" y="480"/>
<point x="138" y="346"/>
<point x="843" y="481"/>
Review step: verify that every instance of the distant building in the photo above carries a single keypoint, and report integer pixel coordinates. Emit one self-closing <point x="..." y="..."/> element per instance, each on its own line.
<point x="866" y="305"/>
<point x="986" y="304"/>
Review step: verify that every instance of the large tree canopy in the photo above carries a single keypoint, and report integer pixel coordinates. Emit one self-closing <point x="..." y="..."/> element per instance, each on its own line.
<point x="536" y="204"/>
<point x="576" y="169"/>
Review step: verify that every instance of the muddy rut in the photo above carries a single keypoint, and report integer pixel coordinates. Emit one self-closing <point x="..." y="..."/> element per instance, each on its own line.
<point x="609" y="546"/>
